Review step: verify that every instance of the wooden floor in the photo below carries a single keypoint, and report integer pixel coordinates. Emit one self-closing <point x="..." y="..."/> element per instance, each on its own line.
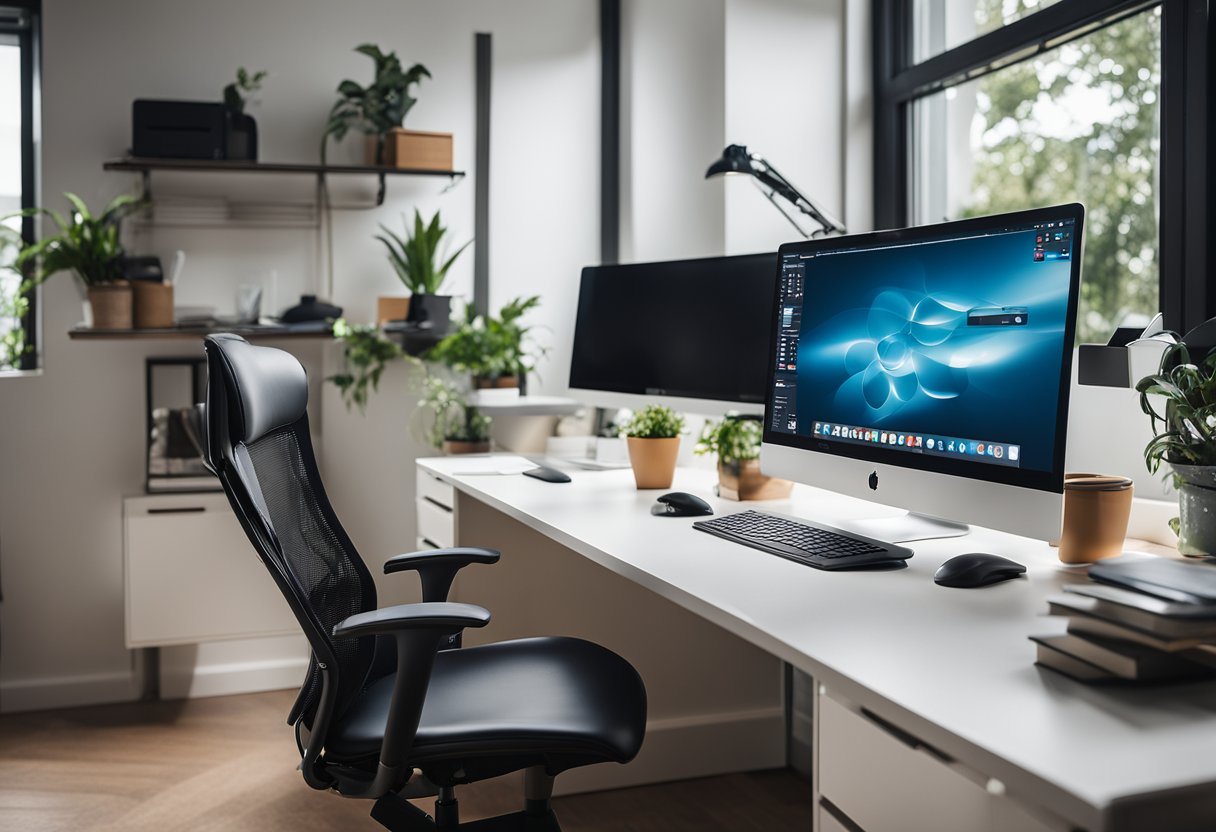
<point x="228" y="763"/>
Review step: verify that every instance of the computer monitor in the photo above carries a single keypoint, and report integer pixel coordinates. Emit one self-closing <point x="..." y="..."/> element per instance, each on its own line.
<point x="693" y="334"/>
<point x="929" y="368"/>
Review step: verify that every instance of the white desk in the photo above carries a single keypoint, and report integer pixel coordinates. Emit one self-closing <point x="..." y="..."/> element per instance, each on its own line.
<point x="951" y="668"/>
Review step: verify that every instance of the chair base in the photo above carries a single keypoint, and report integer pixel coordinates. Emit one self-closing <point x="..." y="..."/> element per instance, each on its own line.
<point x="397" y="814"/>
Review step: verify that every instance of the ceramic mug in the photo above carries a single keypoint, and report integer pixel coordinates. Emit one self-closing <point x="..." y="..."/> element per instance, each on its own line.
<point x="1096" y="510"/>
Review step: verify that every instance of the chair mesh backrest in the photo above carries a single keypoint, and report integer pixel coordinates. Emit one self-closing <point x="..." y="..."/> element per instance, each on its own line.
<point x="317" y="554"/>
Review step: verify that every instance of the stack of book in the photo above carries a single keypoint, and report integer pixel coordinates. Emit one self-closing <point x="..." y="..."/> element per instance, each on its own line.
<point x="1140" y="619"/>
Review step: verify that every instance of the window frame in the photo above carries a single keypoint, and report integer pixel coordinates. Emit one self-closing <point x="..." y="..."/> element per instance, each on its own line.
<point x="21" y="19"/>
<point x="1186" y="189"/>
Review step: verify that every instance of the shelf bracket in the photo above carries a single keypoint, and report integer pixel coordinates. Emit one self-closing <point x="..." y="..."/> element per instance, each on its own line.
<point x="453" y="181"/>
<point x="380" y="190"/>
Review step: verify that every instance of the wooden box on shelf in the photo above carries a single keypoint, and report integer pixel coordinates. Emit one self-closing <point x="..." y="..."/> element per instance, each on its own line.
<point x="413" y="149"/>
<point x="389" y="308"/>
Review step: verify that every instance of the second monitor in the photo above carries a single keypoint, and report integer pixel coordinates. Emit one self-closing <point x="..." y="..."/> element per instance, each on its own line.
<point x="692" y="332"/>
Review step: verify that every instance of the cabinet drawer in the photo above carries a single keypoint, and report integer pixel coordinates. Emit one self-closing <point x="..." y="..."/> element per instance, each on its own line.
<point x="436" y="524"/>
<point x="434" y="489"/>
<point x="826" y="821"/>
<point x="192" y="576"/>
<point x="886" y="785"/>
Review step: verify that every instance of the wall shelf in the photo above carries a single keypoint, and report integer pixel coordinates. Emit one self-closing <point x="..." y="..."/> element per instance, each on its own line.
<point x="81" y="333"/>
<point x="145" y="167"/>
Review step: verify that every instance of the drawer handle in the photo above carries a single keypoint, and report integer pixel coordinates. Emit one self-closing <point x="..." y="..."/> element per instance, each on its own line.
<point x="431" y="543"/>
<point x="904" y="737"/>
<point x="438" y="504"/>
<point x="177" y="510"/>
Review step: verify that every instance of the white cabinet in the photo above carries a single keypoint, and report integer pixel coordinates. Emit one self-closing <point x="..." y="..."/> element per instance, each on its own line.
<point x="192" y="576"/>
<point x="885" y="780"/>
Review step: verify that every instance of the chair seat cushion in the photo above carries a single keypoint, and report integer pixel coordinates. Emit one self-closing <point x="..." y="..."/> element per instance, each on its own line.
<point x="563" y="697"/>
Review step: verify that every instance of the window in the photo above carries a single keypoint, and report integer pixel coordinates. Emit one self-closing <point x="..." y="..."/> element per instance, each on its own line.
<point x="18" y="315"/>
<point x="1012" y="104"/>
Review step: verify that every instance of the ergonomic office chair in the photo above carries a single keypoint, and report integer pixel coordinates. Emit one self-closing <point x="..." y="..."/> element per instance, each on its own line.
<point x="393" y="706"/>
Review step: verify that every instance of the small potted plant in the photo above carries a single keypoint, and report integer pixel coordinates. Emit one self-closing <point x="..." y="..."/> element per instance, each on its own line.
<point x="417" y="261"/>
<point x="653" y="437"/>
<point x="736" y="441"/>
<point x="1186" y="441"/>
<point x="494" y="351"/>
<point x="455" y="426"/>
<point x="90" y="246"/>
<point x="379" y="109"/>
<point x="242" y="129"/>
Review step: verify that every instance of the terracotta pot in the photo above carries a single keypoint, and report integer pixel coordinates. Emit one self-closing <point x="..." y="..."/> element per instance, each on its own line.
<point x="743" y="481"/>
<point x="453" y="447"/>
<point x="1096" y="510"/>
<point x="653" y="461"/>
<point x="152" y="304"/>
<point x="112" y="305"/>
<point x="500" y="383"/>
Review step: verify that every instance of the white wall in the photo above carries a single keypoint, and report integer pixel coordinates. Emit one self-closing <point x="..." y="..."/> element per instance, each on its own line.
<point x="71" y="439"/>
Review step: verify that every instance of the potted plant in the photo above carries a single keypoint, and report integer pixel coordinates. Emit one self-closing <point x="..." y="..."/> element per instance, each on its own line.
<point x="242" y="129"/>
<point x="492" y="350"/>
<point x="455" y="427"/>
<point x="653" y="437"/>
<point x="1185" y="439"/>
<point x="416" y="260"/>
<point x="736" y="441"/>
<point x="377" y="109"/>
<point x="366" y="353"/>
<point x="90" y="246"/>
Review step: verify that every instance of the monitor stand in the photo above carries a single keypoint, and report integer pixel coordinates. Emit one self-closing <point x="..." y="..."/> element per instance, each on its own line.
<point x="905" y="528"/>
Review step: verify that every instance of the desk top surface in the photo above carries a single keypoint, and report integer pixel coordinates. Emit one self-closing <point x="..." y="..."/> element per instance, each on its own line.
<point x="954" y="663"/>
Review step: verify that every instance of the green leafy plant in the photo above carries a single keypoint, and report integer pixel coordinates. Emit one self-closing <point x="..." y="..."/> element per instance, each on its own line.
<point x="734" y="440"/>
<point x="489" y="347"/>
<point x="416" y="257"/>
<point x="654" y="422"/>
<point x="246" y="83"/>
<point x="451" y="417"/>
<point x="1185" y="431"/>
<point x="87" y="244"/>
<point x="380" y="106"/>
<point x="366" y="352"/>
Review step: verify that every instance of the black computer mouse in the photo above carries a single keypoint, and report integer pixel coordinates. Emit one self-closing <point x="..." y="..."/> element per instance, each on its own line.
<point x="544" y="472"/>
<point x="976" y="569"/>
<point x="680" y="504"/>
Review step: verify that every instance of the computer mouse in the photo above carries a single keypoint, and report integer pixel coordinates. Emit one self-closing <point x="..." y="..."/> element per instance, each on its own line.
<point x="544" y="472"/>
<point x="976" y="569"/>
<point x="680" y="504"/>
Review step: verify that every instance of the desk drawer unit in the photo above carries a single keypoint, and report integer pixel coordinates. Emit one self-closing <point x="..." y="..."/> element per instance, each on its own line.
<point x="435" y="507"/>
<point x="884" y="780"/>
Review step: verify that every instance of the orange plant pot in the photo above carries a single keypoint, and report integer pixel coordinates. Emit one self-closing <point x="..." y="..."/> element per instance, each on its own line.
<point x="653" y="461"/>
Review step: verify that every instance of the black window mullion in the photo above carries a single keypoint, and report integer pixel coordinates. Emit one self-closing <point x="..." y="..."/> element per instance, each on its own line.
<point x="892" y="45"/>
<point x="1198" y="302"/>
<point x="1039" y="30"/>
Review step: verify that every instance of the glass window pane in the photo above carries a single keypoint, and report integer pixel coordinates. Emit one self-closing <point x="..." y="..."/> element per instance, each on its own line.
<point x="941" y="25"/>
<point x="1079" y="123"/>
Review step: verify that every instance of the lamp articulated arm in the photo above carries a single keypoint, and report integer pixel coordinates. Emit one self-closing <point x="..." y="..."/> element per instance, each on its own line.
<point x="736" y="159"/>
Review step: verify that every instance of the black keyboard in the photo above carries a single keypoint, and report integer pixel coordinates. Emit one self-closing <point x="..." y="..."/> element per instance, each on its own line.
<point x="819" y="546"/>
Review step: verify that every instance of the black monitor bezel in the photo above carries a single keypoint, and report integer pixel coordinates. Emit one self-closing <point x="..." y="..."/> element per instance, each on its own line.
<point x="589" y="272"/>
<point x="1052" y="480"/>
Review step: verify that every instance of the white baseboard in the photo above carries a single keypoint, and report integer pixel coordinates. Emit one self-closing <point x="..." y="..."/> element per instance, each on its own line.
<point x="232" y="677"/>
<point x="68" y="691"/>
<point x="685" y="747"/>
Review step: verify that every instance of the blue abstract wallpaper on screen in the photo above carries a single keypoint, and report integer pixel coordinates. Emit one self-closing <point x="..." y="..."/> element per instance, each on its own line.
<point x="902" y="338"/>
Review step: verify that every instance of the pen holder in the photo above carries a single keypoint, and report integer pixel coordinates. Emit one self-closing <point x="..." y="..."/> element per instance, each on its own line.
<point x="153" y="304"/>
<point x="1096" y="510"/>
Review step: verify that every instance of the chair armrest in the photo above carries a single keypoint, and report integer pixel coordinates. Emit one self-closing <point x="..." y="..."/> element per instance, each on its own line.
<point x="418" y="630"/>
<point x="439" y="619"/>
<point x="438" y="567"/>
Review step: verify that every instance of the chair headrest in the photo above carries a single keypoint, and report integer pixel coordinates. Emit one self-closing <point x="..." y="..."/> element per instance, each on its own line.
<point x="266" y="388"/>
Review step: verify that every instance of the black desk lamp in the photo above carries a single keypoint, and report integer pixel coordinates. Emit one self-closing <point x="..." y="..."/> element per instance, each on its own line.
<point x="736" y="159"/>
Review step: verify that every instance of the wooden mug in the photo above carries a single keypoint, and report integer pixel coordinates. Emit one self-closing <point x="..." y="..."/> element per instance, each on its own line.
<point x="1096" y="510"/>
